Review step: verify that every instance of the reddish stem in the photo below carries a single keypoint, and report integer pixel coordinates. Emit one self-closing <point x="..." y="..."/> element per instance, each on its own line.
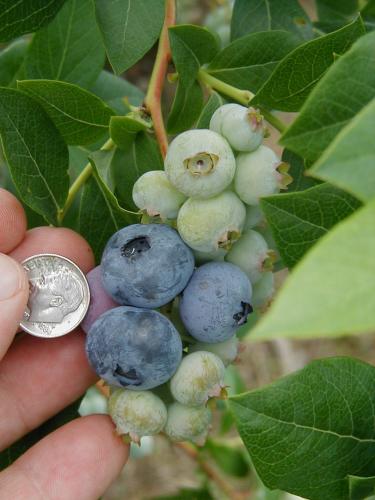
<point x="155" y="88"/>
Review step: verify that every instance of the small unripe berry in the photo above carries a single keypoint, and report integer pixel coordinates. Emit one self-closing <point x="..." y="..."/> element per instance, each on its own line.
<point x="188" y="423"/>
<point x="252" y="255"/>
<point x="242" y="127"/>
<point x="258" y="174"/>
<point x="199" y="377"/>
<point x="155" y="195"/>
<point x="207" y="225"/>
<point x="227" y="351"/>
<point x="254" y="217"/>
<point x="200" y="163"/>
<point x="137" y="413"/>
<point x="264" y="290"/>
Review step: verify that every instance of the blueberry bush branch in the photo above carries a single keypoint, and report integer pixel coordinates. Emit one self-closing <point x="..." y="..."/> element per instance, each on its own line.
<point x="155" y="88"/>
<point x="242" y="96"/>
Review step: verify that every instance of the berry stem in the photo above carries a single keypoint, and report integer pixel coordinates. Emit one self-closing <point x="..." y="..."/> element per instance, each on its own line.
<point x="79" y="182"/>
<point x="155" y="88"/>
<point x="242" y="96"/>
<point x="210" y="472"/>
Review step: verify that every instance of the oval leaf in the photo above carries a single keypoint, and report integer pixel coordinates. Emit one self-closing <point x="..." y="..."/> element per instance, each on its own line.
<point x="316" y="423"/>
<point x="129" y="29"/>
<point x="123" y="129"/>
<point x="35" y="152"/>
<point x="336" y="277"/>
<point x="81" y="117"/>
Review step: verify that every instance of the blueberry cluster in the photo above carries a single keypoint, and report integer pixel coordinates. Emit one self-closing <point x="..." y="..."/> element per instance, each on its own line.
<point x="166" y="303"/>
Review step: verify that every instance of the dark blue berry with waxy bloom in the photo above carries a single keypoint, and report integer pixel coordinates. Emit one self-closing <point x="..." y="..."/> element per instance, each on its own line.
<point x="134" y="348"/>
<point x="146" y="265"/>
<point x="216" y="302"/>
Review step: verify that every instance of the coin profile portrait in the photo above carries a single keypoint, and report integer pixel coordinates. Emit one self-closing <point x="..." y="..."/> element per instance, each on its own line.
<point x="53" y="296"/>
<point x="59" y="296"/>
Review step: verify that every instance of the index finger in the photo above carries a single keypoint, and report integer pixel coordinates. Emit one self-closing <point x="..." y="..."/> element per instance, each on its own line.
<point x="12" y="222"/>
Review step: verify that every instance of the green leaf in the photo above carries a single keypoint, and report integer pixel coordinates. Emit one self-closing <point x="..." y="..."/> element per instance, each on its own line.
<point x="298" y="220"/>
<point x="308" y="431"/>
<point x="188" y="494"/>
<point x="123" y="129"/>
<point x="191" y="47"/>
<point x="35" y="152"/>
<point x="25" y="16"/>
<point x="297" y="74"/>
<point x="368" y="15"/>
<point x="343" y="91"/>
<point x="129" y="29"/>
<point x="127" y="166"/>
<point x="81" y="117"/>
<point x="115" y="90"/>
<point x="11" y="59"/>
<point x="231" y="460"/>
<point x="248" y="62"/>
<point x="186" y="108"/>
<point x="214" y="101"/>
<point x="361" y="487"/>
<point x="349" y="160"/>
<point x="100" y="214"/>
<point x="336" y="279"/>
<point x="297" y="170"/>
<point x="8" y="456"/>
<point x="333" y="14"/>
<point x="69" y="49"/>
<point x="251" y="16"/>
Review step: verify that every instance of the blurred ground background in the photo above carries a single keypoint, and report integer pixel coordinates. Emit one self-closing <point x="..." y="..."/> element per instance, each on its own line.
<point x="159" y="468"/>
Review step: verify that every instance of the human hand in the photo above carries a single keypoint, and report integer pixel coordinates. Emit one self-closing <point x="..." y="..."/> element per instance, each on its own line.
<point x="39" y="377"/>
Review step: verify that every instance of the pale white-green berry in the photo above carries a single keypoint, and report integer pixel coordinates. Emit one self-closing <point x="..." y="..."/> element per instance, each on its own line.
<point x="260" y="173"/>
<point x="207" y="225"/>
<point x="227" y="351"/>
<point x="218" y="116"/>
<point x="254" y="217"/>
<point x="155" y="195"/>
<point x="200" y="163"/>
<point x="199" y="377"/>
<point x="188" y="423"/>
<point x="216" y="256"/>
<point x="137" y="413"/>
<point x="252" y="255"/>
<point x="263" y="290"/>
<point x="242" y="127"/>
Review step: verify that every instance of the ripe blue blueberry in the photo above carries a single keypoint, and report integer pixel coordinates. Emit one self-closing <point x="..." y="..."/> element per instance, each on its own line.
<point x="146" y="265"/>
<point x="134" y="348"/>
<point x="216" y="302"/>
<point x="199" y="377"/>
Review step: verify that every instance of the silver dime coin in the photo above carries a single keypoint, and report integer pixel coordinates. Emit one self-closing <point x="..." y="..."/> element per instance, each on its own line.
<point x="59" y="296"/>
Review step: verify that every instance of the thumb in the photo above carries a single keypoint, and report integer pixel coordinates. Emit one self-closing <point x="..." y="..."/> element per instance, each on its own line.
<point x="14" y="291"/>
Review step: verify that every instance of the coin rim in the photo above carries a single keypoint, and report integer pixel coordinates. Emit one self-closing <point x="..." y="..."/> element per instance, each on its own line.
<point x="86" y="284"/>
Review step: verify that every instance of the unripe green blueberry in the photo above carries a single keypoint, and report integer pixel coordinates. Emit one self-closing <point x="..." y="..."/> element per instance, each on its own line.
<point x="254" y="217"/>
<point x="252" y="255"/>
<point x="216" y="256"/>
<point x="263" y="290"/>
<point x="207" y="225"/>
<point x="199" y="377"/>
<point x="242" y="127"/>
<point x="227" y="351"/>
<point x="155" y="195"/>
<point x="188" y="423"/>
<point x="218" y="116"/>
<point x="200" y="163"/>
<point x="260" y="173"/>
<point x="137" y="413"/>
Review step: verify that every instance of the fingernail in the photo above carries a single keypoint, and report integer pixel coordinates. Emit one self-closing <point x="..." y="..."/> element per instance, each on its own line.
<point x="10" y="277"/>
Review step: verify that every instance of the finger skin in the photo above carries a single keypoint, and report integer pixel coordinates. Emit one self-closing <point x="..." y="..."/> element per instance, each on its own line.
<point x="78" y="461"/>
<point x="12" y="222"/>
<point x="38" y="378"/>
<point x="13" y="307"/>
<point x="58" y="240"/>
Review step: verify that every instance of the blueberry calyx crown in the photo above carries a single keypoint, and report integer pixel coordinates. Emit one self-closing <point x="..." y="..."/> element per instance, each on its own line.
<point x="131" y="376"/>
<point x="201" y="163"/>
<point x="241" y="317"/>
<point x="135" y="247"/>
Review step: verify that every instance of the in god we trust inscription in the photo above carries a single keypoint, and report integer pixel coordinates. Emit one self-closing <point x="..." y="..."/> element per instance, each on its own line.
<point x="59" y="296"/>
